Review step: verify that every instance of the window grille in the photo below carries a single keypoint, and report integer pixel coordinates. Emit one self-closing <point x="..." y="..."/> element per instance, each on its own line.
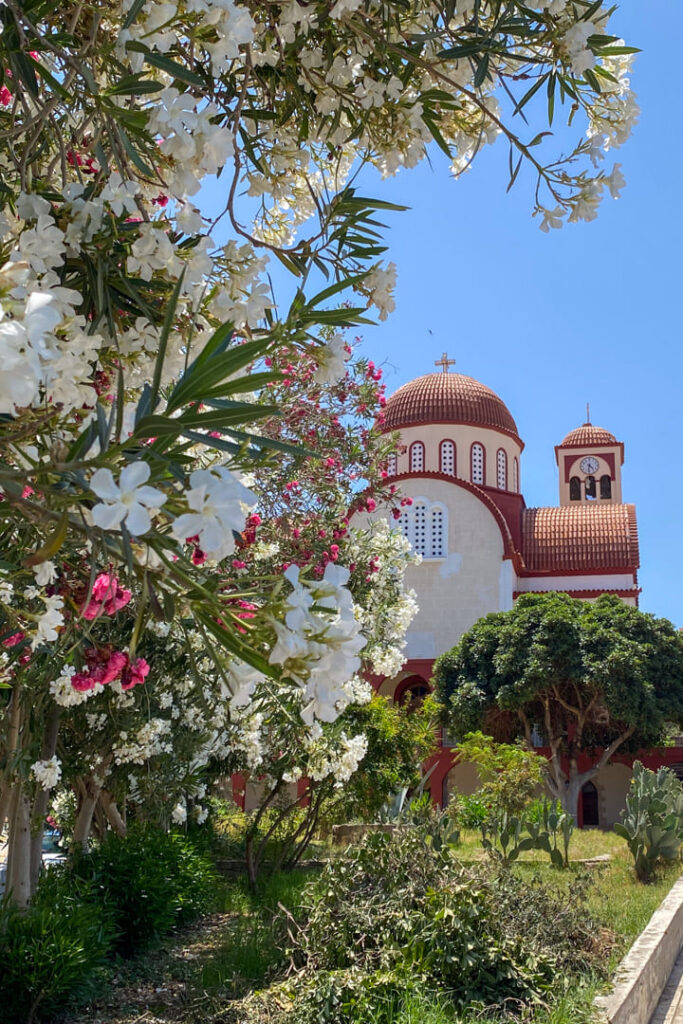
<point x="437" y="534"/>
<point x="448" y="458"/>
<point x="477" y="464"/>
<point x="426" y="527"/>
<point x="417" y="457"/>
<point x="502" y="470"/>
<point x="391" y="465"/>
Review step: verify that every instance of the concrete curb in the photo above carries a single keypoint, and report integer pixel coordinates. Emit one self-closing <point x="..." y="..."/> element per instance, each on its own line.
<point x="642" y="975"/>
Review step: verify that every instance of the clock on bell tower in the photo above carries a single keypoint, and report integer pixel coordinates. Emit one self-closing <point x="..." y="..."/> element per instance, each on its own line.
<point x="590" y="460"/>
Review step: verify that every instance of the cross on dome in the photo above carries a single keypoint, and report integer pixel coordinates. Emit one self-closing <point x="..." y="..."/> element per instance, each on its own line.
<point x="445" y="362"/>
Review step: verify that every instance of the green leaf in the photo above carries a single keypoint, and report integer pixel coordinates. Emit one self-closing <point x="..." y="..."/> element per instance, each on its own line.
<point x="135" y="9"/>
<point x="208" y="371"/>
<point x="52" y="544"/>
<point x="134" y="85"/>
<point x="163" y="340"/>
<point x="171" y="67"/>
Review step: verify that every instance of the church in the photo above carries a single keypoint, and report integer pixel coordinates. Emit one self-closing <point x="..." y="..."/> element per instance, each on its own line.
<point x="460" y="460"/>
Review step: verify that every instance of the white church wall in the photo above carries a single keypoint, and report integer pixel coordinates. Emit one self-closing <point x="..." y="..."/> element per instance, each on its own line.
<point x="464" y="436"/>
<point x="470" y="581"/>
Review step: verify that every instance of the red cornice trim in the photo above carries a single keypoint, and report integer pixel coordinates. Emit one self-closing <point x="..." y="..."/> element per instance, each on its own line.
<point x="550" y="573"/>
<point x="509" y="550"/>
<point x="582" y="594"/>
<point x="595" y="447"/>
<point x="460" y="423"/>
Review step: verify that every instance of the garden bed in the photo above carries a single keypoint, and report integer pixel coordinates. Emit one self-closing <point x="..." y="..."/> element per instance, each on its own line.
<point x="211" y="971"/>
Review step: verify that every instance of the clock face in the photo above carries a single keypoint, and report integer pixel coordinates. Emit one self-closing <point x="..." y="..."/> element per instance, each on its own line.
<point x="589" y="464"/>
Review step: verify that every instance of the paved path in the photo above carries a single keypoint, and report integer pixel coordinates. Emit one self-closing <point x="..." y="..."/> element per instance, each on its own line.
<point x="670" y="1007"/>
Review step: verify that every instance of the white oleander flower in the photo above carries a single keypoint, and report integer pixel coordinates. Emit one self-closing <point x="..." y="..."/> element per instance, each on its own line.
<point x="120" y="194"/>
<point x="45" y="573"/>
<point x="179" y="814"/>
<point x="47" y="773"/>
<point x="127" y="502"/>
<point x="217" y="499"/>
<point x="331" y="359"/>
<point x="50" y="621"/>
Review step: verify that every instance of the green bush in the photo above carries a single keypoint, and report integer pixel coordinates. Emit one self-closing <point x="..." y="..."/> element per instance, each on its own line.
<point x="401" y="906"/>
<point x="153" y="880"/>
<point x="54" y="951"/>
<point x="472" y="811"/>
<point x="652" y="823"/>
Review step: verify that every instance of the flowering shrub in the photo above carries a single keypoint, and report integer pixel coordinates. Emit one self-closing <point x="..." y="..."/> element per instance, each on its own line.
<point x="136" y="411"/>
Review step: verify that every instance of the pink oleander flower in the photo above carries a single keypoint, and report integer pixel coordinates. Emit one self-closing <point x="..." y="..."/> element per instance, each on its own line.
<point x="134" y="674"/>
<point x="13" y="640"/>
<point x="113" y="669"/>
<point x="107" y="596"/>
<point x="82" y="681"/>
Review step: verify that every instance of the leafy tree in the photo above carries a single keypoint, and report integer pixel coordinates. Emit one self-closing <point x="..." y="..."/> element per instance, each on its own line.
<point x="509" y="773"/>
<point x="586" y="676"/>
<point x="139" y="351"/>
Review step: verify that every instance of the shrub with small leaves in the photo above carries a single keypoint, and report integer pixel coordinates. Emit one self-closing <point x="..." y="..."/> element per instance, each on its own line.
<point x="154" y="880"/>
<point x="53" y="952"/>
<point x="401" y="907"/>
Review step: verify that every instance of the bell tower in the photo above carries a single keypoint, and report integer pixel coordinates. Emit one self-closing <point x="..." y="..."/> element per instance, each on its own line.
<point x="590" y="460"/>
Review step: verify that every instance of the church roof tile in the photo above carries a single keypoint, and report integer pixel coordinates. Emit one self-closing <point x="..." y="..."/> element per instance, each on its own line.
<point x="577" y="538"/>
<point x="447" y="398"/>
<point x="588" y="436"/>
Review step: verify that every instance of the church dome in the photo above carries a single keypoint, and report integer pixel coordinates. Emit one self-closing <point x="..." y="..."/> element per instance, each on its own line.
<point x="588" y="436"/>
<point x="447" y="398"/>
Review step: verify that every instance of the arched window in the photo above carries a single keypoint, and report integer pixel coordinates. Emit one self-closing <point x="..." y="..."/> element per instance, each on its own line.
<point x="477" y="464"/>
<point x="591" y="492"/>
<point x="447" y="458"/>
<point x="436" y="533"/>
<point x="391" y="465"/>
<point x="417" y="457"/>
<point x="502" y="470"/>
<point x="425" y="525"/>
<point x="575" y="489"/>
<point x="605" y="486"/>
<point x="515" y="475"/>
<point x="411" y="692"/>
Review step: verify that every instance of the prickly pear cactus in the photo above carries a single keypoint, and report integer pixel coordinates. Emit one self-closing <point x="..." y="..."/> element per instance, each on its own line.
<point x="652" y="823"/>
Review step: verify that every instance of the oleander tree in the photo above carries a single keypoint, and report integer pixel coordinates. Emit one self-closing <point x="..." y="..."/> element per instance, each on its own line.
<point x="590" y="677"/>
<point x="138" y="354"/>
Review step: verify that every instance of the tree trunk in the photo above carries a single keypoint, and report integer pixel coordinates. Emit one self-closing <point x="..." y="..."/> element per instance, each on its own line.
<point x="5" y="802"/>
<point x="19" y="848"/>
<point x="7" y="789"/>
<point x="90" y="795"/>
<point x="42" y="800"/>
<point x="112" y="812"/>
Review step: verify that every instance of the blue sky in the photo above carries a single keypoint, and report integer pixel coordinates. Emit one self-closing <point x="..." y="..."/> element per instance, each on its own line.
<point x="588" y="313"/>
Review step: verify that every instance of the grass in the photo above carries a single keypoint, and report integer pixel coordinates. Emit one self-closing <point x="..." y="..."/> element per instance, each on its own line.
<point x="251" y="946"/>
<point x="616" y="899"/>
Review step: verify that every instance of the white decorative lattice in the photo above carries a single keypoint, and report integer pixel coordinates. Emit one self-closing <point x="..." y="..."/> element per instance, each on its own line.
<point x="477" y="464"/>
<point x="448" y="458"/>
<point x="417" y="457"/>
<point x="502" y="470"/>
<point x="425" y="525"/>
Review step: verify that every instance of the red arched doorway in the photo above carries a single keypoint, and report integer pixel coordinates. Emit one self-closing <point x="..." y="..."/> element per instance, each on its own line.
<point x="590" y="809"/>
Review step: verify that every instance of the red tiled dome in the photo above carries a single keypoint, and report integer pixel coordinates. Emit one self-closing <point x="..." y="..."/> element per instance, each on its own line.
<point x="447" y="398"/>
<point x="587" y="436"/>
